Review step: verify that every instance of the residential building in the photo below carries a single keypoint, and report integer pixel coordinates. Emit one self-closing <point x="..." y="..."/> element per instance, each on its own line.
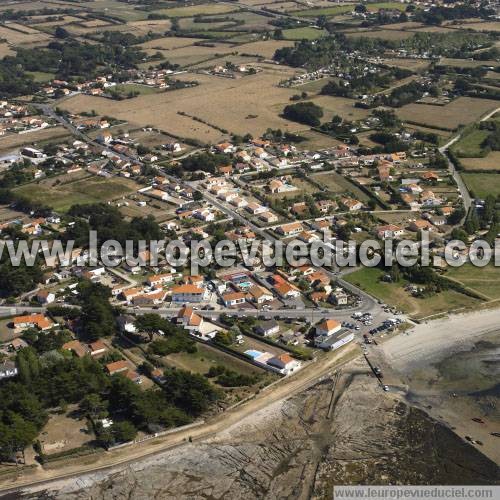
<point x="267" y="328"/>
<point x="188" y="293"/>
<point x="233" y="299"/>
<point x="8" y="369"/>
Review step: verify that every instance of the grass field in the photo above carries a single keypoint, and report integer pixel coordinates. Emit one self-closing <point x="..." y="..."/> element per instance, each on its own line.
<point x="394" y="294"/>
<point x="83" y="191"/>
<point x="10" y="141"/>
<point x="482" y="184"/>
<point x="490" y="162"/>
<point x="238" y="106"/>
<point x="382" y="34"/>
<point x="461" y="111"/>
<point x="125" y="88"/>
<point x="344" y="8"/>
<point x="206" y="357"/>
<point x="196" y="10"/>
<point x="485" y="280"/>
<point x="40" y="76"/>
<point x="470" y="143"/>
<point x="303" y="33"/>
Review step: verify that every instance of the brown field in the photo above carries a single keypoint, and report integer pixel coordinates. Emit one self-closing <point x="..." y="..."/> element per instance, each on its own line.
<point x="382" y="34"/>
<point x="466" y="63"/>
<point x="209" y="64"/>
<point x="411" y="25"/>
<point x="64" y="433"/>
<point x="412" y="64"/>
<point x="10" y="142"/>
<point x="71" y="191"/>
<point x="279" y="6"/>
<point x="342" y="106"/>
<point x="137" y="28"/>
<point x="94" y="23"/>
<point x="316" y="140"/>
<point x="193" y="54"/>
<point x="489" y="162"/>
<point x="5" y="50"/>
<point x="169" y="43"/>
<point x="432" y="29"/>
<point x="492" y="75"/>
<point x="17" y="38"/>
<point x="460" y="111"/>
<point x="263" y="48"/>
<point x="41" y="21"/>
<point x="240" y="106"/>
<point x="482" y="26"/>
<point x="35" y="5"/>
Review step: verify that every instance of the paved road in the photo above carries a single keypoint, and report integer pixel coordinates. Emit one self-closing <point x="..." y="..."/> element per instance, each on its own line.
<point x="464" y="192"/>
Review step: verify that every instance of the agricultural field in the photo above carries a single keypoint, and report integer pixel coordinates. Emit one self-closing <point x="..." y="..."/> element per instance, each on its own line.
<point x="470" y="145"/>
<point x="62" y="195"/>
<point x="411" y="64"/>
<point x="241" y="108"/>
<point x="461" y="111"/>
<point x="342" y="106"/>
<point x="263" y="48"/>
<point x="383" y="34"/>
<point x="25" y="37"/>
<point x="466" y="63"/>
<point x="482" y="26"/>
<point x="125" y="88"/>
<point x="368" y="279"/>
<point x="208" y="9"/>
<point x="490" y="162"/>
<point x="168" y="43"/>
<point x="481" y="184"/>
<point x="124" y="11"/>
<point x="316" y="140"/>
<point x="303" y="33"/>
<point x="326" y="11"/>
<point x="5" y="50"/>
<point x="12" y="141"/>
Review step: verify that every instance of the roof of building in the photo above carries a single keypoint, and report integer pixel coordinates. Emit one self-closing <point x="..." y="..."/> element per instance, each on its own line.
<point x="328" y="324"/>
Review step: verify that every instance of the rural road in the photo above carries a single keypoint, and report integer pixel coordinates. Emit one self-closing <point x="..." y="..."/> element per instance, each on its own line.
<point x="466" y="198"/>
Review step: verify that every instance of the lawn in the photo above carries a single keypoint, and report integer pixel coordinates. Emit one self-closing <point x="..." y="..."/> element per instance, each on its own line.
<point x="481" y="185"/>
<point x="303" y="34"/>
<point x="92" y="189"/>
<point x="205" y="357"/>
<point x="394" y="294"/>
<point x="485" y="280"/>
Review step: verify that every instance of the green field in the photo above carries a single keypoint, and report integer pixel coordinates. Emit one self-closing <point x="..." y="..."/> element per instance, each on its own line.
<point x="303" y="34"/>
<point x="196" y="10"/>
<point x="125" y="88"/>
<point x="482" y="184"/>
<point x="485" y="280"/>
<point x="84" y="191"/>
<point x="394" y="294"/>
<point x="40" y="76"/>
<point x="470" y="144"/>
<point x="342" y="9"/>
